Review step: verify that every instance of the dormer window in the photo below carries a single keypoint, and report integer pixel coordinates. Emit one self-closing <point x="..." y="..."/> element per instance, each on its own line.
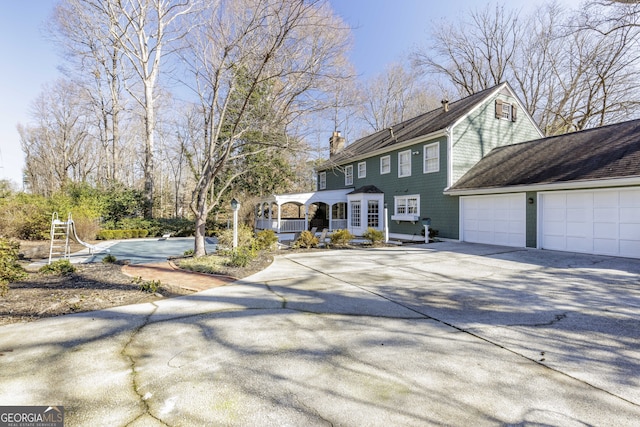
<point x="505" y="110"/>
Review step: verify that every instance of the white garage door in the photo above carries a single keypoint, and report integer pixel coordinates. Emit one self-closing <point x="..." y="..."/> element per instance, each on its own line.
<point x="603" y="222"/>
<point x="497" y="220"/>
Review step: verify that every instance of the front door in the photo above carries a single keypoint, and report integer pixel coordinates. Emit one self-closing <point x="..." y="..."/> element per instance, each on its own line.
<point x="364" y="212"/>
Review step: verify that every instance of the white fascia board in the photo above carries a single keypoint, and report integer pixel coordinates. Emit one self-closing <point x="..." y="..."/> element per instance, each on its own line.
<point x="572" y="185"/>
<point x="416" y="140"/>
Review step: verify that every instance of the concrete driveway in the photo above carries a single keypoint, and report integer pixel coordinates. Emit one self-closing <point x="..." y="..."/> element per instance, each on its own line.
<point x="440" y="334"/>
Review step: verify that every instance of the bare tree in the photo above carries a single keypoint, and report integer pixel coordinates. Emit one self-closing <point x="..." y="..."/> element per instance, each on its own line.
<point x="573" y="69"/>
<point x="142" y="30"/>
<point x="473" y="55"/>
<point x="57" y="146"/>
<point x="256" y="66"/>
<point x="85" y="31"/>
<point x="394" y="96"/>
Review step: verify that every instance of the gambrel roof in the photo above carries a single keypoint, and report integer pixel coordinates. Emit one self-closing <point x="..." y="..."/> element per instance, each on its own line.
<point x="609" y="152"/>
<point x="424" y="124"/>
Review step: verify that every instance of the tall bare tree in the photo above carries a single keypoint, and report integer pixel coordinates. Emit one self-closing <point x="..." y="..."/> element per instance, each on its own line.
<point x="86" y="33"/>
<point x="574" y="69"/>
<point x="143" y="29"/>
<point x="257" y="65"/>
<point x="393" y="96"/>
<point x="57" y="146"/>
<point x="474" y="55"/>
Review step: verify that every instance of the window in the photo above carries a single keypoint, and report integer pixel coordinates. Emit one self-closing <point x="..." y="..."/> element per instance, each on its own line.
<point x="373" y="212"/>
<point x="506" y="111"/>
<point x="385" y="164"/>
<point x="355" y="213"/>
<point x="432" y="158"/>
<point x="348" y="175"/>
<point x="404" y="163"/>
<point x="362" y="170"/>
<point x="323" y="181"/>
<point x="406" y="208"/>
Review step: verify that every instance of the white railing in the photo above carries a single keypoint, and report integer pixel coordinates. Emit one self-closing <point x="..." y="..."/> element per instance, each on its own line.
<point x="266" y="224"/>
<point x="338" y="224"/>
<point x="292" y="225"/>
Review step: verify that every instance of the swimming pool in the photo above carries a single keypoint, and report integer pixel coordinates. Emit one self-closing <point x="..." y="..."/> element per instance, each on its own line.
<point x="143" y="251"/>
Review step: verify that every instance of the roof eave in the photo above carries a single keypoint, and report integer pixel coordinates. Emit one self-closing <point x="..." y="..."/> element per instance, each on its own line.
<point x="552" y="186"/>
<point x="394" y="147"/>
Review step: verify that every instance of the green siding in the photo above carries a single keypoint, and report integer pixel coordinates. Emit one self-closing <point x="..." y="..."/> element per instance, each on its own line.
<point x="473" y="138"/>
<point x="481" y="132"/>
<point x="443" y="210"/>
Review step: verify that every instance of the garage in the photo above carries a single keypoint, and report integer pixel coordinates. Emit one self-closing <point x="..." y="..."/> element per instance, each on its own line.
<point x="605" y="222"/>
<point x="495" y="219"/>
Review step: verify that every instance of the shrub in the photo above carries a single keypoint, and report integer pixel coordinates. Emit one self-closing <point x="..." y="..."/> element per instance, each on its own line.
<point x="189" y="252"/>
<point x="265" y="240"/>
<point x="109" y="259"/>
<point x="150" y="286"/>
<point x="245" y="237"/>
<point x="306" y="240"/>
<point x="10" y="270"/>
<point x="341" y="237"/>
<point x="374" y="236"/>
<point x="61" y="266"/>
<point x="86" y="228"/>
<point x="241" y="257"/>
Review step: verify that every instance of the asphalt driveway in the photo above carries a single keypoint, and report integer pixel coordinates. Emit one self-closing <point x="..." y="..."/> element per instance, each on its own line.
<point x="440" y="334"/>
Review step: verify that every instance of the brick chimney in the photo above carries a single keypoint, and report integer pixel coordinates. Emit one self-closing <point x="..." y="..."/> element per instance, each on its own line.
<point x="336" y="143"/>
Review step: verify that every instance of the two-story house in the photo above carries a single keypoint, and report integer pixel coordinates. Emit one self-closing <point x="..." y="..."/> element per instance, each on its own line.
<point x="407" y="168"/>
<point x="480" y="169"/>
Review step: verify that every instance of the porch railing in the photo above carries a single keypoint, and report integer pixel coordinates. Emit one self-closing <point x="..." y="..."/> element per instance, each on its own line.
<point x="339" y="224"/>
<point x="294" y="225"/>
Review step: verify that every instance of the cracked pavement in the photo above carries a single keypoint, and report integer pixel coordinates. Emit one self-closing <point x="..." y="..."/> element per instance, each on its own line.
<point x="439" y="334"/>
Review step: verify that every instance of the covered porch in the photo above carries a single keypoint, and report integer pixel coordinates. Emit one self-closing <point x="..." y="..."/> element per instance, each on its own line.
<point x="293" y="213"/>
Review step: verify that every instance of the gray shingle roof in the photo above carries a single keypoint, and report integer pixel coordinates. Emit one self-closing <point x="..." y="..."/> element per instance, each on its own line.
<point x="423" y="124"/>
<point x="367" y="189"/>
<point x="607" y="152"/>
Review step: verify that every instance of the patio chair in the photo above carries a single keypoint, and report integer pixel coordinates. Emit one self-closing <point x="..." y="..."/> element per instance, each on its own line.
<point x="322" y="240"/>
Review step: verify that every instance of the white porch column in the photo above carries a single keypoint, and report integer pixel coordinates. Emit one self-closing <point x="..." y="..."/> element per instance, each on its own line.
<point x="279" y="216"/>
<point x="330" y="217"/>
<point x="306" y="217"/>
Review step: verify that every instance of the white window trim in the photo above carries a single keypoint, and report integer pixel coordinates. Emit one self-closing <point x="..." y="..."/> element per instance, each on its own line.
<point x="400" y="154"/>
<point x="506" y="111"/>
<point x="382" y="171"/>
<point x="437" y="157"/>
<point x="322" y="185"/>
<point x="404" y="201"/>
<point x="362" y="170"/>
<point x="348" y="175"/>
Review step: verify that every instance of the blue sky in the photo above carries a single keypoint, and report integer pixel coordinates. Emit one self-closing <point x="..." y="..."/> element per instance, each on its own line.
<point x="384" y="31"/>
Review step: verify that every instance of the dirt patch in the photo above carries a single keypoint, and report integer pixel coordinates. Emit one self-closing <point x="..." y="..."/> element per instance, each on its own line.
<point x="91" y="287"/>
<point x="94" y="286"/>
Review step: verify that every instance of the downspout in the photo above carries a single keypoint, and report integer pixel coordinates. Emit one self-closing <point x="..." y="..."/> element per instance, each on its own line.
<point x="449" y="133"/>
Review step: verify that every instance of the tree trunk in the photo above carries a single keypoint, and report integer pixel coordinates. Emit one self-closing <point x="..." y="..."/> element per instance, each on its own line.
<point x="148" y="151"/>
<point x="199" y="249"/>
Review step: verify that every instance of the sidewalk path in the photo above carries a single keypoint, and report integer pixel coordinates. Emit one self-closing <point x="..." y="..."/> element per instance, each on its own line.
<point x="167" y="273"/>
